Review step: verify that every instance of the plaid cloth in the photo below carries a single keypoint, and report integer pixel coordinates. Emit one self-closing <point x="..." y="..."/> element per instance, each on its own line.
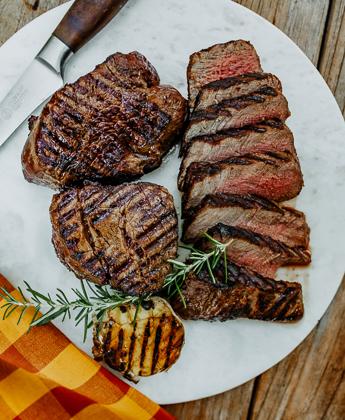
<point x="44" y="376"/>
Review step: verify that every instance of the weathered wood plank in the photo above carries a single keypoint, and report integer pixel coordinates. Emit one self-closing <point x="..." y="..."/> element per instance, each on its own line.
<point x="302" y="20"/>
<point x="16" y="13"/>
<point x="310" y="382"/>
<point x="332" y="61"/>
<point x="232" y="405"/>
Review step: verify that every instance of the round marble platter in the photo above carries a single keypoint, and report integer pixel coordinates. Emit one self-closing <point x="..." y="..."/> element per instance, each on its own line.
<point x="216" y="356"/>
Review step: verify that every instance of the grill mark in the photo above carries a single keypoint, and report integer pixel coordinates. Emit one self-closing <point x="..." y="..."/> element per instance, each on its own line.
<point x="144" y="343"/>
<point x="153" y="243"/>
<point x="156" y="223"/>
<point x="119" y="347"/>
<point x="89" y="239"/>
<point x="225" y="231"/>
<point x="238" y="103"/>
<point x="291" y="298"/>
<point x="158" y="336"/>
<point x="173" y="330"/>
<point x="131" y="349"/>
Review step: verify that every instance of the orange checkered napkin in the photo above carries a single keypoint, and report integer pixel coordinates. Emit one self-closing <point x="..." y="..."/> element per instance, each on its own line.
<point x="44" y="376"/>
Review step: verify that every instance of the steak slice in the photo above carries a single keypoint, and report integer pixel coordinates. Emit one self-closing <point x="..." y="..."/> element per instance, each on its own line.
<point x="259" y="253"/>
<point x="111" y="125"/>
<point x="275" y="176"/>
<point x="245" y="295"/>
<point x="219" y="62"/>
<point x="281" y="223"/>
<point x="122" y="236"/>
<point x="269" y="136"/>
<point x="233" y="87"/>
<point x="237" y="112"/>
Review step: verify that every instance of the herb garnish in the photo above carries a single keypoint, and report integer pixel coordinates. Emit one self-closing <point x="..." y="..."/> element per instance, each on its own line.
<point x="92" y="307"/>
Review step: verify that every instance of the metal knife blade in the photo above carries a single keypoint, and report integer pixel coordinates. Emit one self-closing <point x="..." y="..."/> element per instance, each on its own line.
<point x="40" y="80"/>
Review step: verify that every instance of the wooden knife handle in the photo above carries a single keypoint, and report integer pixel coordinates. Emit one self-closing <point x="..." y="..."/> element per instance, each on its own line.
<point x="84" y="19"/>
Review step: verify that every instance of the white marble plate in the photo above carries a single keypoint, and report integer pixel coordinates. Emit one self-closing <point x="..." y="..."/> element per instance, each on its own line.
<point x="217" y="356"/>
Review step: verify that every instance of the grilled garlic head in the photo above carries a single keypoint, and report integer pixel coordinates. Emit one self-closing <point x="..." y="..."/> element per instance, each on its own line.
<point x="147" y="346"/>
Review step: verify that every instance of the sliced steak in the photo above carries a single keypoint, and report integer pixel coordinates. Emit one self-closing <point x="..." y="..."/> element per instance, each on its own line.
<point x="275" y="176"/>
<point x="233" y="87"/>
<point x="270" y="136"/>
<point x="120" y="236"/>
<point x="219" y="62"/>
<point x="238" y="112"/>
<point x="111" y="125"/>
<point x="259" y="253"/>
<point x="281" y="223"/>
<point x="245" y="295"/>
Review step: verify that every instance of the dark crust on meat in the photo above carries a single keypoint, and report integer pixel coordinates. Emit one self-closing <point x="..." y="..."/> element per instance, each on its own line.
<point x="240" y="102"/>
<point x="111" y="125"/>
<point x="198" y="172"/>
<point x="214" y="202"/>
<point x="234" y="80"/>
<point x="261" y="138"/>
<point x="283" y="254"/>
<point x="195" y="57"/>
<point x="247" y="295"/>
<point x="122" y="236"/>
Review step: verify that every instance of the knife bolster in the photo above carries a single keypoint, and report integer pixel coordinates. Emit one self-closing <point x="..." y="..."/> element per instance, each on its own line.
<point x="55" y="54"/>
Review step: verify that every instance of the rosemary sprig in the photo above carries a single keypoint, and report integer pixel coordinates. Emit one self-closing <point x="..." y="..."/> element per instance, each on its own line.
<point x="197" y="261"/>
<point x="83" y="308"/>
<point x="89" y="308"/>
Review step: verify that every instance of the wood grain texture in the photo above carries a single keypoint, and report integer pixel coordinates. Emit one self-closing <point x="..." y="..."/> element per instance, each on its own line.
<point x="232" y="405"/>
<point x="14" y="14"/>
<point x="310" y="383"/>
<point x="332" y="60"/>
<point x="302" y="20"/>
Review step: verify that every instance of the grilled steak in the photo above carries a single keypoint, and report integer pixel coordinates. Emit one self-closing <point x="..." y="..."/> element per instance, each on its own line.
<point x="120" y="236"/>
<point x="281" y="223"/>
<point x="112" y="124"/>
<point x="237" y="112"/>
<point x="275" y="176"/>
<point x="246" y="295"/>
<point x="233" y="87"/>
<point x="149" y="346"/>
<point x="259" y="253"/>
<point x="270" y="136"/>
<point x="219" y="62"/>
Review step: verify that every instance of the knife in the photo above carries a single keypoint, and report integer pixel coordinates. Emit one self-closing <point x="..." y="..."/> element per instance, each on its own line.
<point x="45" y="74"/>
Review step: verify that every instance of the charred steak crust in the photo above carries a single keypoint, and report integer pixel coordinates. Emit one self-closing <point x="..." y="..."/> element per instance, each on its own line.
<point x="218" y="62"/>
<point x="281" y="223"/>
<point x="111" y="125"/>
<point x="259" y="253"/>
<point x="122" y="236"/>
<point x="271" y="135"/>
<point x="275" y="176"/>
<point x="246" y="295"/>
<point x="235" y="87"/>
<point x="236" y="113"/>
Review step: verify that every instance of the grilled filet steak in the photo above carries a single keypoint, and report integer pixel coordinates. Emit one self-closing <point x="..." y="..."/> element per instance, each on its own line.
<point x="120" y="236"/>
<point x="113" y="124"/>
<point x="281" y="223"/>
<point x="246" y="295"/>
<point x="238" y="112"/>
<point x="269" y="136"/>
<point x="275" y="176"/>
<point x="150" y="345"/>
<point x="219" y="62"/>
<point x="259" y="253"/>
<point x="234" y="87"/>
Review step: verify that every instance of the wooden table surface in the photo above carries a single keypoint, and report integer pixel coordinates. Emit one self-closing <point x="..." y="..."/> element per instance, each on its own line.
<point x="310" y="383"/>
